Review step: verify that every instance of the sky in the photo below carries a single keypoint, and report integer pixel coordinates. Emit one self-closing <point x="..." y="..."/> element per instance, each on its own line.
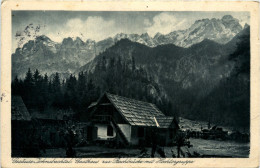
<point x="98" y="25"/>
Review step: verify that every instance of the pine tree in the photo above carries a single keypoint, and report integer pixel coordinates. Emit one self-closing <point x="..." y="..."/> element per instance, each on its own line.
<point x="56" y="83"/>
<point x="133" y="63"/>
<point x="44" y="91"/>
<point x="70" y="95"/>
<point x="36" y="76"/>
<point x="36" y="91"/>
<point x="28" y="89"/>
<point x="81" y="84"/>
<point x="45" y="79"/>
<point x="90" y="85"/>
<point x="103" y="64"/>
<point x="16" y="86"/>
<point x="28" y="81"/>
<point x="50" y="89"/>
<point x="56" y="86"/>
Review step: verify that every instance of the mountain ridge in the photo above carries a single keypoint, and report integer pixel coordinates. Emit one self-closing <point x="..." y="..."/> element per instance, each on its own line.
<point x="192" y="79"/>
<point x="65" y="57"/>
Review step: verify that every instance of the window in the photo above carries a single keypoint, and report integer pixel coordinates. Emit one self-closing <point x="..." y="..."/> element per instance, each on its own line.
<point x="140" y="132"/>
<point x="110" y="130"/>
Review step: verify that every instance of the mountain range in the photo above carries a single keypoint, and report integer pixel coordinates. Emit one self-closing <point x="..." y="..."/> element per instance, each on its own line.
<point x="201" y="72"/>
<point x="189" y="74"/>
<point x="66" y="57"/>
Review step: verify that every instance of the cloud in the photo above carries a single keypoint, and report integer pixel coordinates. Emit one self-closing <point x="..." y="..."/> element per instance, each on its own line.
<point x="94" y="27"/>
<point x="165" y="23"/>
<point x="147" y="22"/>
<point x="98" y="27"/>
<point x="243" y="19"/>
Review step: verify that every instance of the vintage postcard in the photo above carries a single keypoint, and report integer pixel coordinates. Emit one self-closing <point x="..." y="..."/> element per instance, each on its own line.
<point x="130" y="84"/>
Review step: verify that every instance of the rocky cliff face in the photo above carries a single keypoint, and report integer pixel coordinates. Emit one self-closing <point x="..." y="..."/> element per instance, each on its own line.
<point x="218" y="30"/>
<point x="50" y="57"/>
<point x="66" y="57"/>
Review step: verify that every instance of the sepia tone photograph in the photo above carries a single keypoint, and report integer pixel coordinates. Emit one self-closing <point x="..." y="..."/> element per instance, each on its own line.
<point x="130" y="84"/>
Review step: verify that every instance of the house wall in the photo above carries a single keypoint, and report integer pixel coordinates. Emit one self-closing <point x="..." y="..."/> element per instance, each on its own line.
<point x="51" y="136"/>
<point x="168" y="138"/>
<point x="126" y="129"/>
<point x="135" y="140"/>
<point x="117" y="117"/>
<point x="21" y="133"/>
<point x="102" y="131"/>
<point x="162" y="137"/>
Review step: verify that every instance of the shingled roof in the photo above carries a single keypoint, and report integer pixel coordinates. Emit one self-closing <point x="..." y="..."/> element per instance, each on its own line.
<point x="136" y="112"/>
<point x="19" y="110"/>
<point x="164" y="121"/>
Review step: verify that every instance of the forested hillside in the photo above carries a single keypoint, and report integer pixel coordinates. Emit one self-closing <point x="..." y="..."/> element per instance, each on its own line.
<point x="229" y="102"/>
<point x="207" y="81"/>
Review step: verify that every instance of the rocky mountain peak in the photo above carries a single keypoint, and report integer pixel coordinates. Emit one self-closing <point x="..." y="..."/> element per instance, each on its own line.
<point x="80" y="52"/>
<point x="246" y="26"/>
<point x="145" y="35"/>
<point x="67" y="41"/>
<point x="231" y="23"/>
<point x="79" y="42"/>
<point x="78" y="39"/>
<point x="90" y="42"/>
<point x="43" y="38"/>
<point x="157" y="35"/>
<point x="120" y="36"/>
<point x="219" y="30"/>
<point x="227" y="18"/>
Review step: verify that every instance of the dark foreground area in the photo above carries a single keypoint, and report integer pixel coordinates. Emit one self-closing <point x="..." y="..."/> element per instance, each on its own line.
<point x="205" y="148"/>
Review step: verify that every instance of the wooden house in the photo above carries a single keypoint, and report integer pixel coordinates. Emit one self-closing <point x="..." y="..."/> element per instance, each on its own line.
<point x="18" y="110"/>
<point x="34" y="127"/>
<point x="21" y="125"/>
<point x="54" y="128"/>
<point x="129" y="122"/>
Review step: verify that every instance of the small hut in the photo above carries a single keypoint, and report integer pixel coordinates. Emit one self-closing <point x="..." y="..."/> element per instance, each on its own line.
<point x="129" y="122"/>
